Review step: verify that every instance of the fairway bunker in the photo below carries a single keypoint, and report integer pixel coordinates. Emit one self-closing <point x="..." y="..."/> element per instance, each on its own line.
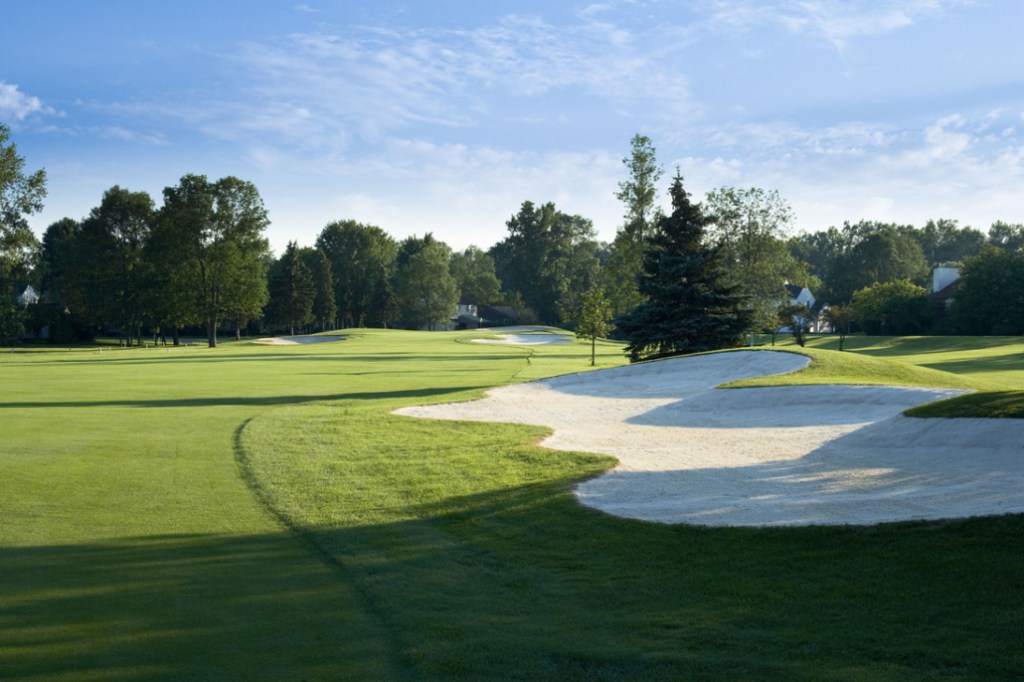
<point x="528" y="336"/>
<point x="292" y="340"/>
<point x="797" y="455"/>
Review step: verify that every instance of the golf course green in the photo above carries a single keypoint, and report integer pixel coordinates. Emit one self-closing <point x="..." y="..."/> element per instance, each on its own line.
<point x="256" y="512"/>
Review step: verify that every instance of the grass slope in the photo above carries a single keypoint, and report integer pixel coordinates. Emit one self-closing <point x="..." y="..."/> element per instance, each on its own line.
<point x="257" y="513"/>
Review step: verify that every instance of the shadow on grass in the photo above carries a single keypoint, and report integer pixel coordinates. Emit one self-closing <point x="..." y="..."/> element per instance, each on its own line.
<point x="185" y="607"/>
<point x="521" y="584"/>
<point x="245" y="400"/>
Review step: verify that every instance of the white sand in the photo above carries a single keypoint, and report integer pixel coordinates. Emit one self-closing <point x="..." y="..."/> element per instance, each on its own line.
<point x="801" y="455"/>
<point x="528" y="336"/>
<point x="292" y="340"/>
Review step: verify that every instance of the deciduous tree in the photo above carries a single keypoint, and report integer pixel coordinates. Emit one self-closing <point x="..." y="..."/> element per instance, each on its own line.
<point x="424" y="287"/>
<point x="595" y="313"/>
<point x="291" y="291"/>
<point x="21" y="194"/>
<point x="357" y="253"/>
<point x="900" y="308"/>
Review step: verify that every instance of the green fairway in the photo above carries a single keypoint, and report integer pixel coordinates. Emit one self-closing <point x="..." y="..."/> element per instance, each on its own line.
<point x="256" y="512"/>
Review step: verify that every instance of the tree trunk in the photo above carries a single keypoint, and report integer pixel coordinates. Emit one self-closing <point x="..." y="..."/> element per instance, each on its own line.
<point x="593" y="349"/>
<point x="211" y="333"/>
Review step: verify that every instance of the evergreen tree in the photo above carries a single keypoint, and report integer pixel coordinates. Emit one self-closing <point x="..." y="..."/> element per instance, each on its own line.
<point x="688" y="307"/>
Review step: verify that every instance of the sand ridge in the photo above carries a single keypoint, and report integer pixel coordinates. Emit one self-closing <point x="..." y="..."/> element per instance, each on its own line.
<point x="692" y="453"/>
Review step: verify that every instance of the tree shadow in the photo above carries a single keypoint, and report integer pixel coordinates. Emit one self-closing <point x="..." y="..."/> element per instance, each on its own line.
<point x="244" y="400"/>
<point x="184" y="607"/>
<point x="900" y="469"/>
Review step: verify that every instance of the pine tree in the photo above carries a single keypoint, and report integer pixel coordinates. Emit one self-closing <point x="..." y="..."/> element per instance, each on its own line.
<point x="689" y="306"/>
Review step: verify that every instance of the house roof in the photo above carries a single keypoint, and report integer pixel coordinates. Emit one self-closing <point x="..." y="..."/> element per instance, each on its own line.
<point x="946" y="292"/>
<point x="497" y="313"/>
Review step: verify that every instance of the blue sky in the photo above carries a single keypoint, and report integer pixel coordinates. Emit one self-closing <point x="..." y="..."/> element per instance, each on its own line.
<point x="445" y="116"/>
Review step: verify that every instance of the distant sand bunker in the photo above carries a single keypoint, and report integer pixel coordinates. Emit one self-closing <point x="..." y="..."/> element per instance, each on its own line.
<point x="798" y="455"/>
<point x="292" y="340"/>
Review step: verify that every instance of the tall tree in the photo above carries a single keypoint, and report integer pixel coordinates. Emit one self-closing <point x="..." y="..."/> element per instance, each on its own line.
<point x="475" y="276"/>
<point x="64" y="281"/>
<point x="893" y="308"/>
<point x="1006" y="236"/>
<point x="639" y="195"/>
<point x="546" y="255"/>
<point x="749" y="227"/>
<point x="357" y="252"/>
<point x="944" y="241"/>
<point x="325" y="310"/>
<point x="112" y="242"/>
<point x="291" y="291"/>
<point x="21" y="194"/>
<point x="689" y="306"/>
<point x="424" y="287"/>
<point x="990" y="296"/>
<point x="220" y="227"/>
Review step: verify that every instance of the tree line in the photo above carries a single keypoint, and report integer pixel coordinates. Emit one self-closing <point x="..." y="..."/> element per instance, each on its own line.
<point x="200" y="262"/>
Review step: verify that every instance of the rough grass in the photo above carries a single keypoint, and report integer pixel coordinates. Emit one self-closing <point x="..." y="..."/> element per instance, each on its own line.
<point x="257" y="513"/>
<point x="991" y="367"/>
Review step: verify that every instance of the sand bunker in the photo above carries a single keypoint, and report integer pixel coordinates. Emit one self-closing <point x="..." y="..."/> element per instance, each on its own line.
<point x="292" y="340"/>
<point x="527" y="336"/>
<point x="691" y="453"/>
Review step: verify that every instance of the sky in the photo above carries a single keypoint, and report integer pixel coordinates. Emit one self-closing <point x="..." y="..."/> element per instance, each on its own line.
<point x="444" y="116"/>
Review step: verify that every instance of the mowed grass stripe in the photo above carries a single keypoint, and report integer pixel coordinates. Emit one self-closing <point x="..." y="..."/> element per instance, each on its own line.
<point x="130" y="546"/>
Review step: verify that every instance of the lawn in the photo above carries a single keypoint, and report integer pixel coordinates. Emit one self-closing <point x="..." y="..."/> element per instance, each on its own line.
<point x="256" y="512"/>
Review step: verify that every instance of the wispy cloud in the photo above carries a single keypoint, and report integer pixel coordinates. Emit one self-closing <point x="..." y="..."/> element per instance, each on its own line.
<point x="836" y="22"/>
<point x="371" y="81"/>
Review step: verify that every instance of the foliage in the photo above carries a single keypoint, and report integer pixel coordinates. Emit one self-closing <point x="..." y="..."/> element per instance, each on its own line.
<point x="867" y="253"/>
<point x="989" y="298"/>
<point x="291" y="291"/>
<point x="749" y="227"/>
<point x="943" y="241"/>
<point x="1006" y="236"/>
<point x="547" y="258"/>
<point x="840" y="317"/>
<point x="425" y="290"/>
<point x="689" y="306"/>
<point x="112" y="240"/>
<point x="220" y="228"/>
<point x="21" y="194"/>
<point x="594" y="316"/>
<point x="899" y="308"/>
<point x="357" y="253"/>
<point x="638" y="193"/>
<point x="475" y="276"/>
<point x="325" y="310"/>
<point x="798" y="318"/>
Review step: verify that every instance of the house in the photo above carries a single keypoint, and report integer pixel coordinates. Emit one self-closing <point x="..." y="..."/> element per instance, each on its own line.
<point x="803" y="296"/>
<point x="28" y="297"/>
<point x="466" y="315"/>
<point x="945" y="281"/>
<point x="498" y="315"/>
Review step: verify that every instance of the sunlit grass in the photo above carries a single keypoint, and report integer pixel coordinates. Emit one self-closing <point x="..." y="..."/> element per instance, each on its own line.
<point x="256" y="512"/>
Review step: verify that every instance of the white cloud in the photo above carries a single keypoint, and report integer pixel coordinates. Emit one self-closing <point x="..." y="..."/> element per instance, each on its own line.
<point x="837" y="22"/>
<point x="14" y="104"/>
